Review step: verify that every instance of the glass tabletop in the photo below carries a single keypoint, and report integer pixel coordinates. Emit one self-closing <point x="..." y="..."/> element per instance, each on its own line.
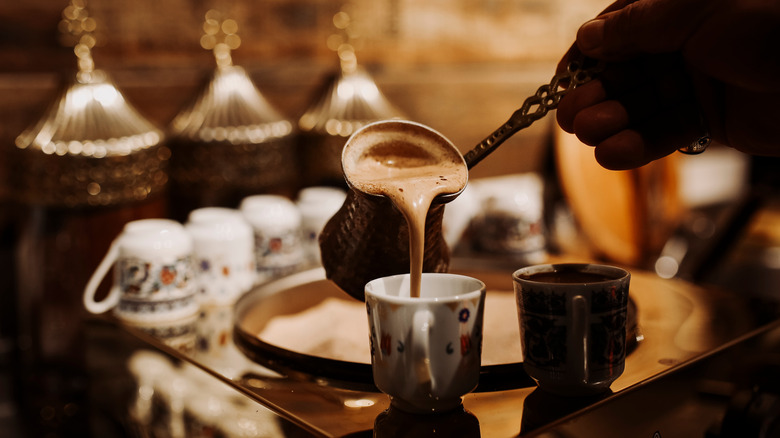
<point x="677" y="324"/>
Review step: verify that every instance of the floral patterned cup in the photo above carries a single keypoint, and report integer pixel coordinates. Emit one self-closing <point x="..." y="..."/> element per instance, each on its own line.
<point x="317" y="205"/>
<point x="153" y="274"/>
<point x="573" y="325"/>
<point x="426" y="351"/>
<point x="224" y="253"/>
<point x="276" y="222"/>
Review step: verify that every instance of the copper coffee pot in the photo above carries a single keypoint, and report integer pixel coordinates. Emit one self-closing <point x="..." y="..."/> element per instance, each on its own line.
<point x="368" y="237"/>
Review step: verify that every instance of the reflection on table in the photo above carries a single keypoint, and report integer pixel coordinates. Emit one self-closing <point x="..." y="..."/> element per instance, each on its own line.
<point x="678" y="322"/>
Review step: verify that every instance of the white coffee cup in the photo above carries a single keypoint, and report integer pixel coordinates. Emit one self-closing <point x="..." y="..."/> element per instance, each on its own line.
<point x="317" y="205"/>
<point x="153" y="275"/>
<point x="180" y="334"/>
<point x="426" y="351"/>
<point x="276" y="222"/>
<point x="224" y="253"/>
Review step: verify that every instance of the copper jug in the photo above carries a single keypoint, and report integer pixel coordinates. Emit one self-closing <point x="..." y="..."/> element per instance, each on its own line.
<point x="369" y="238"/>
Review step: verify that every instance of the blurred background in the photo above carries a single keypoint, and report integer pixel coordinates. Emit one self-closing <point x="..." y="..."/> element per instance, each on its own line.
<point x="459" y="66"/>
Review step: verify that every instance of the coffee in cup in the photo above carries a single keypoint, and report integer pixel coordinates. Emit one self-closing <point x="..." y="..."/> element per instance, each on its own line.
<point x="426" y="350"/>
<point x="573" y="325"/>
<point x="223" y="252"/>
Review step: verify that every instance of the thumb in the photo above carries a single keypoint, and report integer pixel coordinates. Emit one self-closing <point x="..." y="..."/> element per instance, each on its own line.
<point x="644" y="26"/>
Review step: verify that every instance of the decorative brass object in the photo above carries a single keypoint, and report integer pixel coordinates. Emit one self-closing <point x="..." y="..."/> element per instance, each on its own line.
<point x="91" y="148"/>
<point x="349" y="100"/>
<point x="230" y="142"/>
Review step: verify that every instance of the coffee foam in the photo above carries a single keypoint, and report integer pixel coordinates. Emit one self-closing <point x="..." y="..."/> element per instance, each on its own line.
<point x="411" y="165"/>
<point x="408" y="145"/>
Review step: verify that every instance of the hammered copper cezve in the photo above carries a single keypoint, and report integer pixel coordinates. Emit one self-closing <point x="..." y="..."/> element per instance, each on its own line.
<point x="368" y="238"/>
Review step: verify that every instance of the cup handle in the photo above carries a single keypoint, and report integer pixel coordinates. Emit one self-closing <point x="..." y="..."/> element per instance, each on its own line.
<point x="581" y="328"/>
<point x="421" y="343"/>
<point x="97" y="277"/>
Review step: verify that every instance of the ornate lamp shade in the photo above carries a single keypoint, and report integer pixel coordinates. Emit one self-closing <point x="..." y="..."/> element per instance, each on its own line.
<point x="349" y="100"/>
<point x="91" y="148"/>
<point x="230" y="142"/>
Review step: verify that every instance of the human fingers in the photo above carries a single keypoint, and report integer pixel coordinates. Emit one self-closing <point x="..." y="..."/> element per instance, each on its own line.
<point x="643" y="108"/>
<point x="630" y="82"/>
<point x="622" y="151"/>
<point x="573" y="51"/>
<point x="578" y="99"/>
<point x="563" y="64"/>
<point x="639" y="144"/>
<point x="597" y="123"/>
<point x="644" y="26"/>
<point x="630" y="149"/>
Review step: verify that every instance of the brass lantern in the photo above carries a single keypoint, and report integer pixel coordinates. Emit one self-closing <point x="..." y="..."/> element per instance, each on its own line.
<point x="91" y="148"/>
<point x="349" y="100"/>
<point x="230" y="142"/>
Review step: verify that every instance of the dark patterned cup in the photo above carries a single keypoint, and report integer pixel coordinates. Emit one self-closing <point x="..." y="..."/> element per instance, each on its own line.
<point x="573" y="325"/>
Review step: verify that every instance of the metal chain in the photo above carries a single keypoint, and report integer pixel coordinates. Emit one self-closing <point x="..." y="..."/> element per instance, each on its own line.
<point x="536" y="106"/>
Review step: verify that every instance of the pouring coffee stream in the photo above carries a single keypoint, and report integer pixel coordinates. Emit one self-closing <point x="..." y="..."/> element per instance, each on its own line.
<point x="369" y="237"/>
<point x="411" y="165"/>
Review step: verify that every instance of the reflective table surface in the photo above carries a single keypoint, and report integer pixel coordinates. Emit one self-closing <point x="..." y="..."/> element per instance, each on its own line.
<point x="679" y="325"/>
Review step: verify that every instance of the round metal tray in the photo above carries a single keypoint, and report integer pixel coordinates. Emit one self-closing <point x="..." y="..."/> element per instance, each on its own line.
<point x="299" y="292"/>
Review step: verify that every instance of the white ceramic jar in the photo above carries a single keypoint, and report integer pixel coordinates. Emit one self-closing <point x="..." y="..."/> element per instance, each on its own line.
<point x="224" y="256"/>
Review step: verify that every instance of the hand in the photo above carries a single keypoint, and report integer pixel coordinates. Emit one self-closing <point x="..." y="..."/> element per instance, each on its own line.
<point x="676" y="69"/>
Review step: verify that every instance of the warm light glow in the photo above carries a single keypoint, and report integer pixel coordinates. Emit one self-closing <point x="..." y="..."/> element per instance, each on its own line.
<point x="359" y="403"/>
<point x="369" y="90"/>
<point x="80" y="97"/>
<point x="106" y="94"/>
<point x="666" y="267"/>
<point x="345" y="90"/>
